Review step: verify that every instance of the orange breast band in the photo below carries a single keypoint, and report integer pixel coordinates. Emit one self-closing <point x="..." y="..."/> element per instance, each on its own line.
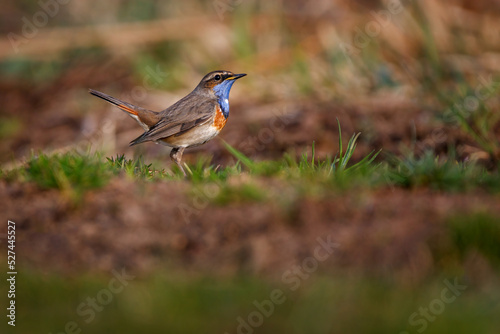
<point x="219" y="119"/>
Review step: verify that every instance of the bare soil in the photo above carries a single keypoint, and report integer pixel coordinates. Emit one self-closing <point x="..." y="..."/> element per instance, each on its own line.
<point x="146" y="225"/>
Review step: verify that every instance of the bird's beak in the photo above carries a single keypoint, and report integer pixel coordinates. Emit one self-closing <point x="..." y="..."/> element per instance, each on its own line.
<point x="236" y="76"/>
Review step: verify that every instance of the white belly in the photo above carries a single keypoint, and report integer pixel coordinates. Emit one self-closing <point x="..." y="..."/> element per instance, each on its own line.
<point x="194" y="137"/>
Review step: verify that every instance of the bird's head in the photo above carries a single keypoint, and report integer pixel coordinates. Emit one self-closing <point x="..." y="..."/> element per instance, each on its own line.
<point x="219" y="83"/>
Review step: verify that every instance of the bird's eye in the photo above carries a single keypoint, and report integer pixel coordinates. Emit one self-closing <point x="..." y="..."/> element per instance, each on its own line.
<point x="217" y="77"/>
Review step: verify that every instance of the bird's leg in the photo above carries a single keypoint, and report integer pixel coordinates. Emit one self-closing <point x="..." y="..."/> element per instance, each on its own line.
<point x="176" y="156"/>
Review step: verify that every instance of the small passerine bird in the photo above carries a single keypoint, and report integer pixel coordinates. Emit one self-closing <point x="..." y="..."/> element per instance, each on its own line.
<point x="191" y="121"/>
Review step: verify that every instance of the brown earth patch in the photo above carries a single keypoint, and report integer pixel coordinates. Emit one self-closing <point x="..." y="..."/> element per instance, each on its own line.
<point x="149" y="226"/>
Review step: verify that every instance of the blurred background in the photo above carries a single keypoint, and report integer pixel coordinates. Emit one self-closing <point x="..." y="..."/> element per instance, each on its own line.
<point x="418" y="76"/>
<point x="397" y="72"/>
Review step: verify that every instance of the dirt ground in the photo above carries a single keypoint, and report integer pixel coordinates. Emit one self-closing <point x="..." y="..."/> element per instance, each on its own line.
<point x="68" y="118"/>
<point x="208" y="253"/>
<point x="148" y="226"/>
<point x="144" y="225"/>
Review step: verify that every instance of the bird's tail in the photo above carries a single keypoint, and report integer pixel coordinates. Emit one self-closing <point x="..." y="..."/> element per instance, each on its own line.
<point x="127" y="107"/>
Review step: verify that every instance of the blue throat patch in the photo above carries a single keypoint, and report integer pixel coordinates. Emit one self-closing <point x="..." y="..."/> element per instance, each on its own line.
<point x="222" y="93"/>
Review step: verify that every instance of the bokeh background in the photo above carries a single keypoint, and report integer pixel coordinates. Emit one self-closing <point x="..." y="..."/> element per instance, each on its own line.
<point x="390" y="76"/>
<point x="419" y="76"/>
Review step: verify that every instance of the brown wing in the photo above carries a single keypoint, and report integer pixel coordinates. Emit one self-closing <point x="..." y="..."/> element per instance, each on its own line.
<point x="179" y="118"/>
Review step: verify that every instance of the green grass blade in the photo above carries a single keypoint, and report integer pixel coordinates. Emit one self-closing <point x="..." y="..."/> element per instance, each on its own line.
<point x="240" y="156"/>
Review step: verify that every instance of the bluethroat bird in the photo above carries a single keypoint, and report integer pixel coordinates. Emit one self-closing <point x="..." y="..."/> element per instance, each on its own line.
<point x="191" y="121"/>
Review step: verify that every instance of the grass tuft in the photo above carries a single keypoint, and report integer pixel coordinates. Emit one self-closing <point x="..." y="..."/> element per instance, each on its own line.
<point x="340" y="162"/>
<point x="135" y="168"/>
<point x="337" y="167"/>
<point x="72" y="173"/>
<point x="441" y="174"/>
